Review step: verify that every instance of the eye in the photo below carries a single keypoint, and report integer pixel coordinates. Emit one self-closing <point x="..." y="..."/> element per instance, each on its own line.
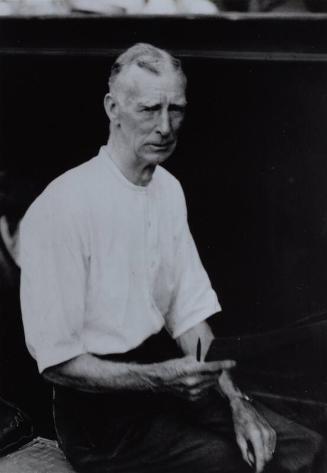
<point x="150" y="109"/>
<point x="177" y="109"/>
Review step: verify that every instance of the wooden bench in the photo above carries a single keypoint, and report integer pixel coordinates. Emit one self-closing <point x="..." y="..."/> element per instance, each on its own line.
<point x="38" y="456"/>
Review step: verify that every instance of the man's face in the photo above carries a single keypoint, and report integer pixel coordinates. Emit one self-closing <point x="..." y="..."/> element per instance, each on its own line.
<point x="150" y="110"/>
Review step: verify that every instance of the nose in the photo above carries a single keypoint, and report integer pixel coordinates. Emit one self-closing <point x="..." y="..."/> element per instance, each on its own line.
<point x="164" y="125"/>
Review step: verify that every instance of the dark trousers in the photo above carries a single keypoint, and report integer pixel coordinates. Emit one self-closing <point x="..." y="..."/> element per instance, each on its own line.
<point x="138" y="432"/>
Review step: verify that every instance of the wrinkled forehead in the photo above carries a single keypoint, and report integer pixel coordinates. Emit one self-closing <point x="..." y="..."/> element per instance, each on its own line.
<point x="140" y="85"/>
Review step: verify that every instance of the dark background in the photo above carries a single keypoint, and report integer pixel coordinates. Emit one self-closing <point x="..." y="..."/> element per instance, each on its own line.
<point x="252" y="157"/>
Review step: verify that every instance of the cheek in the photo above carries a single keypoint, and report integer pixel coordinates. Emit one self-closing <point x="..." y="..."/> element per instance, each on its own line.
<point x="145" y="129"/>
<point x="135" y="132"/>
<point x="141" y="136"/>
<point x="129" y="121"/>
<point x="176" y="124"/>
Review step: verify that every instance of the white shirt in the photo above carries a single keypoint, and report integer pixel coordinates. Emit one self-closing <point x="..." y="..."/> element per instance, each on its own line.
<point x="106" y="264"/>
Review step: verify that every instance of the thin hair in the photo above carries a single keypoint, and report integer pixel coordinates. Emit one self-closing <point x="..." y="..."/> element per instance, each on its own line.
<point x="147" y="57"/>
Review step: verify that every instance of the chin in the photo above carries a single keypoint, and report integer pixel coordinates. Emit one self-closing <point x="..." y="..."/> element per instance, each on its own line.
<point x="161" y="159"/>
<point x="158" y="158"/>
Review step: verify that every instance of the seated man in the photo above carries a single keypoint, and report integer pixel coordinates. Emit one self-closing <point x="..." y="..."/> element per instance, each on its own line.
<point x="115" y="302"/>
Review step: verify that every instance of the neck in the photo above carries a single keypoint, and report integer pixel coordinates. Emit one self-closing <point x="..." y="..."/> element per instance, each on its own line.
<point x="137" y="173"/>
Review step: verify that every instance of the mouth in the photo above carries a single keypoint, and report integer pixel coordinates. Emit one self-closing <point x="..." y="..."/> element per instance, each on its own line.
<point x="161" y="146"/>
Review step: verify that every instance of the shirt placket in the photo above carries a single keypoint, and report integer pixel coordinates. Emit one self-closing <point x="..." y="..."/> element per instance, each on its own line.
<point x="151" y="250"/>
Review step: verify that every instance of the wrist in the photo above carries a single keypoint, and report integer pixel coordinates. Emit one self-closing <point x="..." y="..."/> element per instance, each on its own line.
<point x="158" y="375"/>
<point x="239" y="399"/>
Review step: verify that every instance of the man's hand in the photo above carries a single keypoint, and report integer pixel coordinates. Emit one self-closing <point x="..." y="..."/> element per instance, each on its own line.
<point x="254" y="436"/>
<point x="187" y="378"/>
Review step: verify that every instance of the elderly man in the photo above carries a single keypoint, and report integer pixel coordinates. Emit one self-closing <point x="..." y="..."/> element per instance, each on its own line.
<point x="115" y="302"/>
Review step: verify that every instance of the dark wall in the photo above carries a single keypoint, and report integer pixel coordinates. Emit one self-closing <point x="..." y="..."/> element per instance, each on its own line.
<point x="251" y="158"/>
<point x="257" y="186"/>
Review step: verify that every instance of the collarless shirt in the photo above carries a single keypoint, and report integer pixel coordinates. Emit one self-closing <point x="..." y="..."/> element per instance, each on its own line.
<point x="105" y="264"/>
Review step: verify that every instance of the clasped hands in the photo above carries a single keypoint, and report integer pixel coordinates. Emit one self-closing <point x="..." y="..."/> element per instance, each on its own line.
<point x="189" y="379"/>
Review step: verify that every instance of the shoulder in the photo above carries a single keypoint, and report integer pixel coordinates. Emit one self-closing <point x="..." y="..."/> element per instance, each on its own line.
<point x="64" y="197"/>
<point x="72" y="183"/>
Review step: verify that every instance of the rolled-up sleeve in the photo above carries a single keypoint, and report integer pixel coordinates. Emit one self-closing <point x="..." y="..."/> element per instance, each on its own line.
<point x="194" y="298"/>
<point x="53" y="280"/>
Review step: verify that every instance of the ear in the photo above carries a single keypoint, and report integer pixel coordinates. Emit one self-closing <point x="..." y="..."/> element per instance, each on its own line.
<point x="112" y="109"/>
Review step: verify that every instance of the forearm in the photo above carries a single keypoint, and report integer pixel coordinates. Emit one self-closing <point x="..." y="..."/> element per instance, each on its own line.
<point x="228" y="388"/>
<point x="183" y="377"/>
<point x="92" y="374"/>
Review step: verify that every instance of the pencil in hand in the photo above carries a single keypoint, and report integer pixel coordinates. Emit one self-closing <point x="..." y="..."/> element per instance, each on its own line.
<point x="198" y="350"/>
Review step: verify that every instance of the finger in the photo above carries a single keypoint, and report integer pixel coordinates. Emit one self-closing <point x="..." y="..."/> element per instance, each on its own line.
<point x="220" y="365"/>
<point x="201" y="388"/>
<point x="197" y="393"/>
<point x="199" y="380"/>
<point x="273" y="442"/>
<point x="191" y="397"/>
<point x="251" y="458"/>
<point x="241" y="442"/>
<point x="265" y="435"/>
<point x="269" y="439"/>
<point x="190" y="381"/>
<point x="195" y="398"/>
<point x="208" y="383"/>
<point x="214" y="367"/>
<point x="188" y="387"/>
<point x="258" y="450"/>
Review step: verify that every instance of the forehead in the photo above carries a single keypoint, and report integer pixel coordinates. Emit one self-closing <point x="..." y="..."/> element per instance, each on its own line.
<point x="140" y="85"/>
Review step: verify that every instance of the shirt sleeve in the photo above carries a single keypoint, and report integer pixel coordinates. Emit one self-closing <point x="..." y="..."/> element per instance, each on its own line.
<point x="53" y="282"/>
<point x="194" y="298"/>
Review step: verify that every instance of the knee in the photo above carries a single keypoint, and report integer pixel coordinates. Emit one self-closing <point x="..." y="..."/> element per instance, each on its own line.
<point x="304" y="453"/>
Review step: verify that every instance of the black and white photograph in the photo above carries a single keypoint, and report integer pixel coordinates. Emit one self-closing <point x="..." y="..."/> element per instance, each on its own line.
<point x="163" y="236"/>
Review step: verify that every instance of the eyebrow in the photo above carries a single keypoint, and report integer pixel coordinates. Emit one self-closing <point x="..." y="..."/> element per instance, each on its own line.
<point x="179" y="104"/>
<point x="156" y="103"/>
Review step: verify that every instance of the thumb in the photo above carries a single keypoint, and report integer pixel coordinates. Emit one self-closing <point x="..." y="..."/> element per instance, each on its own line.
<point x="242" y="443"/>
